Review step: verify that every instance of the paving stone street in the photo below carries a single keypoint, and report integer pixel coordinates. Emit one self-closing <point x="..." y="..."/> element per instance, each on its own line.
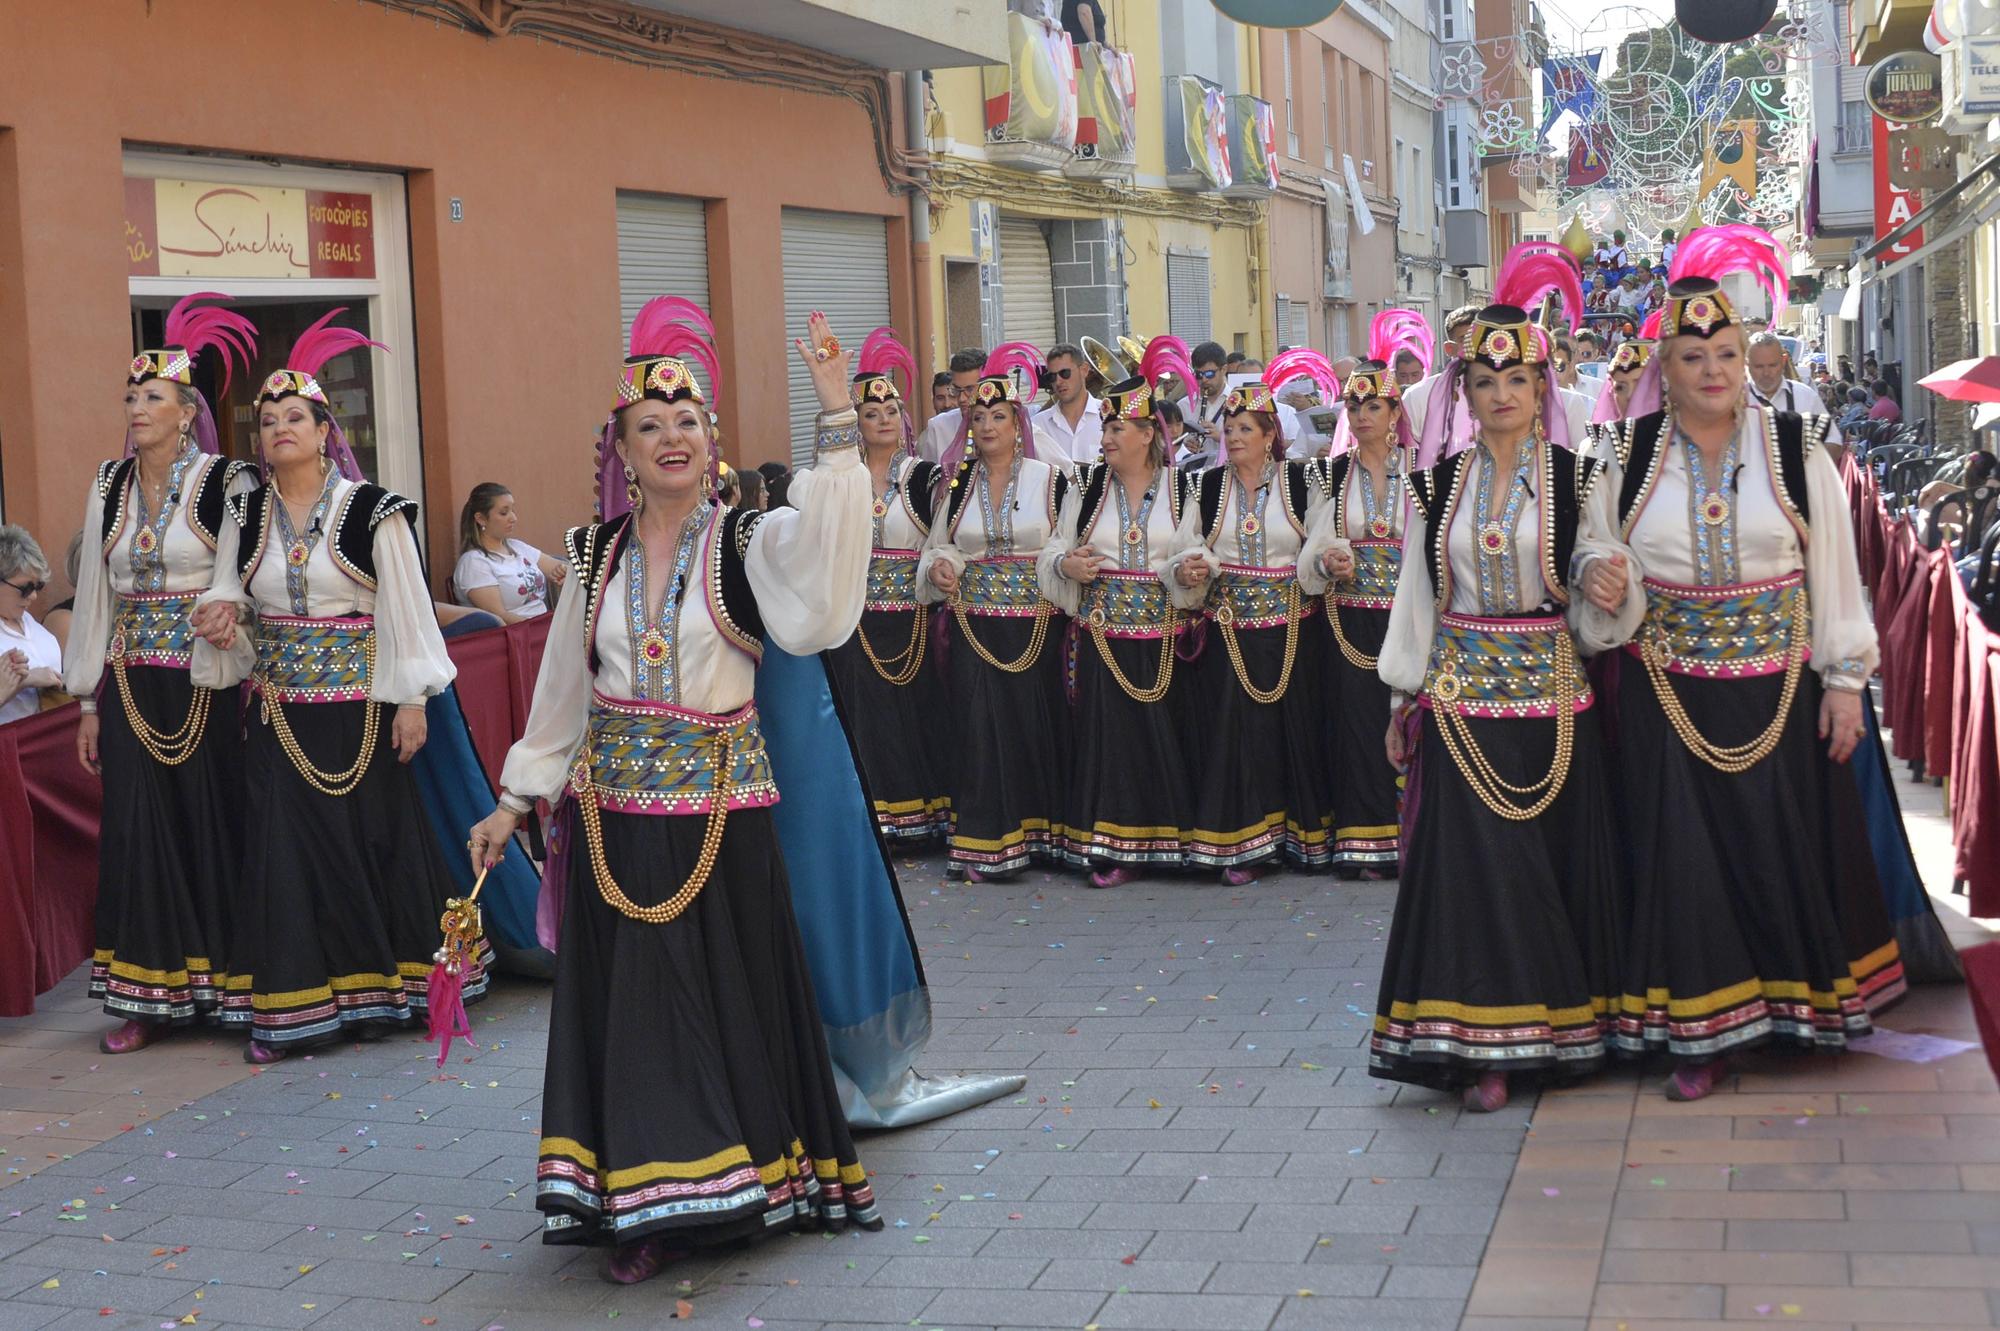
<point x="1199" y="1146"/>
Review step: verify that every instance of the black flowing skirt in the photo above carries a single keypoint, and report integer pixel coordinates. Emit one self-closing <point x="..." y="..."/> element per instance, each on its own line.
<point x="1757" y="916"/>
<point x="894" y="728"/>
<point x="1004" y="739"/>
<point x="1130" y="801"/>
<point x="167" y="847"/>
<point x="688" y="1089"/>
<point x="1503" y="952"/>
<point x="1367" y="791"/>
<point x="335" y="918"/>
<point x="1262" y="788"/>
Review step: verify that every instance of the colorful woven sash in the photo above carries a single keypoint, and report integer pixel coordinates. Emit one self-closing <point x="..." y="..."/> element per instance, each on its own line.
<point x="652" y="758"/>
<point x="1722" y="632"/>
<point x="1000" y="585"/>
<point x="1378" y="565"/>
<point x="1126" y="603"/>
<point x="313" y="660"/>
<point x="892" y="580"/>
<point x="1254" y="598"/>
<point x="153" y="629"/>
<point x="1502" y="668"/>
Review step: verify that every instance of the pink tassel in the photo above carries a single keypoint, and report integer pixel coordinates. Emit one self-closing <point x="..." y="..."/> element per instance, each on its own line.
<point x="446" y="1005"/>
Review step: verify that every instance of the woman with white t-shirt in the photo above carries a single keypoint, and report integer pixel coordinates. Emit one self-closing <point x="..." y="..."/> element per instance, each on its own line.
<point x="504" y="577"/>
<point x="30" y="659"/>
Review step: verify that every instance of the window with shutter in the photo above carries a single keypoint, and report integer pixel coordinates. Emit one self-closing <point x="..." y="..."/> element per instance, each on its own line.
<point x="837" y="263"/>
<point x="1027" y="287"/>
<point x="662" y="251"/>
<point x="1187" y="297"/>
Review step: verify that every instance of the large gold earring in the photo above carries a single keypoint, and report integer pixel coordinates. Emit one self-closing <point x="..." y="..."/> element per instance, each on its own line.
<point x="633" y="494"/>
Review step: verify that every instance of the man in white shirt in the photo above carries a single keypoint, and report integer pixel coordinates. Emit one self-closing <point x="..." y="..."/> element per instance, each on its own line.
<point x="947" y="427"/>
<point x="1202" y="408"/>
<point x="1416" y="398"/>
<point x="1771" y="387"/>
<point x="1069" y="430"/>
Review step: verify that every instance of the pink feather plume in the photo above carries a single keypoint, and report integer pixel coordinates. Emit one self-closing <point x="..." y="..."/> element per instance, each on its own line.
<point x="1289" y="365"/>
<point x="322" y="342"/>
<point x="1532" y="270"/>
<point x="1650" y="330"/>
<point x="675" y="326"/>
<point x="200" y="328"/>
<point x="1167" y="355"/>
<point x="882" y="351"/>
<point x="1395" y="331"/>
<point x="1736" y="247"/>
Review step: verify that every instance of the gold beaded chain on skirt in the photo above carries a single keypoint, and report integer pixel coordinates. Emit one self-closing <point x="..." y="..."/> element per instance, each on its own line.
<point x="1478" y="771"/>
<point x="711" y="841"/>
<point x="1225" y="619"/>
<point x="1161" y="680"/>
<point x="1731" y="759"/>
<point x="911" y="657"/>
<point x="1020" y="663"/>
<point x="327" y="783"/>
<point x="166" y="750"/>
<point x="1355" y="656"/>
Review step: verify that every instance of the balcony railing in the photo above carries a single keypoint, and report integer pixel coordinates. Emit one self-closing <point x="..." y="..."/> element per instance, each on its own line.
<point x="1253" y="148"/>
<point x="1031" y="100"/>
<point x="1107" y="105"/>
<point x="1197" y="125"/>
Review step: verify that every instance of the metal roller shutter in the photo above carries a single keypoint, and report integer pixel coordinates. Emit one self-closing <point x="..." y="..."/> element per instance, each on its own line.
<point x="662" y="251"/>
<point x="1187" y="297"/>
<point x="837" y="263"/>
<point x="1027" y="287"/>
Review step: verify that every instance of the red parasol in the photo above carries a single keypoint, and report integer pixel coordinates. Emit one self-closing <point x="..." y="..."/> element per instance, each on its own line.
<point x="1975" y="380"/>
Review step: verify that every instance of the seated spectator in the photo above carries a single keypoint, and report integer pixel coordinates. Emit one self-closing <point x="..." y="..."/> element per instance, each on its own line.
<point x="58" y="616"/>
<point x="1886" y="407"/>
<point x="1856" y="414"/>
<point x="30" y="657"/>
<point x="506" y="578"/>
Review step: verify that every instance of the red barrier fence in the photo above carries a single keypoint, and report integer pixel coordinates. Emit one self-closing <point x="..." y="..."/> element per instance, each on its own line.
<point x="49" y="809"/>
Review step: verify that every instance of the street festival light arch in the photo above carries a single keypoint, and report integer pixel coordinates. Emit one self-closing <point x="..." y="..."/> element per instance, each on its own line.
<point x="1656" y="119"/>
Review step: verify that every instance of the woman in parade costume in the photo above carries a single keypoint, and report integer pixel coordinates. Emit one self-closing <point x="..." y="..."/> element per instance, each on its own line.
<point x="1503" y="952"/>
<point x="168" y="742"/>
<point x="1614" y="400"/>
<point x="1261" y="791"/>
<point x="1756" y="914"/>
<point x="1128" y="785"/>
<point x="1354" y="556"/>
<point x="335" y="919"/>
<point x="1008" y="723"/>
<point x="688" y="1098"/>
<point x="879" y="672"/>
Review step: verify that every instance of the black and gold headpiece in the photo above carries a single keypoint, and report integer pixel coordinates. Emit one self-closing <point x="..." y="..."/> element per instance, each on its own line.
<point x="1696" y="306"/>
<point x="1502" y="336"/>
<point x="1250" y="397"/>
<point x="1371" y="378"/>
<point x="1131" y="400"/>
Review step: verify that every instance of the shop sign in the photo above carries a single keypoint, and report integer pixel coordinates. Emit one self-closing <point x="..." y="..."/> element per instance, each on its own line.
<point x="1893" y="205"/>
<point x="1980" y="62"/>
<point x="195" y="228"/>
<point x="1907" y="87"/>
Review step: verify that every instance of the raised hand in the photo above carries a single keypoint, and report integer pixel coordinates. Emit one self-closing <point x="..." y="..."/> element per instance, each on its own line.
<point x="830" y="364"/>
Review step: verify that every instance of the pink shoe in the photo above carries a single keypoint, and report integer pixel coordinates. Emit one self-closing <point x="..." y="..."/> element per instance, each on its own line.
<point x="1693" y="1081"/>
<point x="1116" y="876"/>
<point x="1241" y="877"/>
<point x="974" y="876"/>
<point x="129" y="1038"/>
<point x="260" y="1053"/>
<point x="1487" y="1095"/>
<point x="642" y="1260"/>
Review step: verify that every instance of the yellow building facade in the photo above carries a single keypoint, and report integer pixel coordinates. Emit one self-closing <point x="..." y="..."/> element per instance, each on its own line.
<point x="1033" y="240"/>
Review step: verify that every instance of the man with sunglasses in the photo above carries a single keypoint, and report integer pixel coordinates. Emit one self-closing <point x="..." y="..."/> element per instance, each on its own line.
<point x="946" y="427"/>
<point x="30" y="657"/>
<point x="1069" y="430"/>
<point x="1203" y="405"/>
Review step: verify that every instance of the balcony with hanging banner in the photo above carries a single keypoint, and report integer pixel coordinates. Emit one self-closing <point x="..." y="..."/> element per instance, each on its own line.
<point x="1197" y="134"/>
<point x="1253" y="148"/>
<point x="1107" y="114"/>
<point x="1031" y="102"/>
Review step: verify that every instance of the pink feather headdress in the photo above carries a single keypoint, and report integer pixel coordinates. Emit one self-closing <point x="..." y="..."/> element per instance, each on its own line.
<point x="1139" y="398"/>
<point x="1696" y="304"/>
<point x="670" y="336"/>
<point x="320" y="343"/>
<point x="190" y="330"/>
<point x="883" y="353"/>
<point x="1504" y="335"/>
<point x="997" y="384"/>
